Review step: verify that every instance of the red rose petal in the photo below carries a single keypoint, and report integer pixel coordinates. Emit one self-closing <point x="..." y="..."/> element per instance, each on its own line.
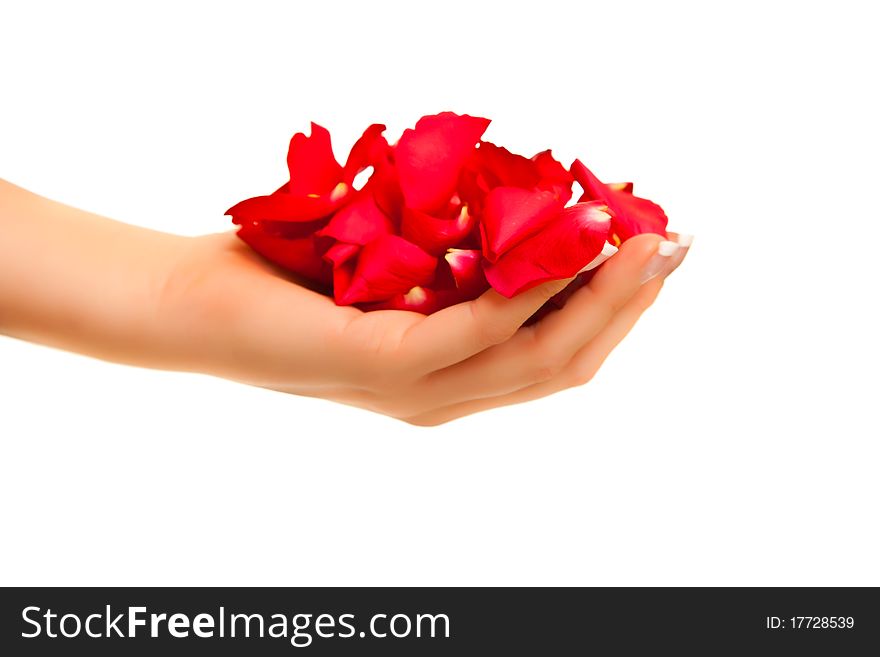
<point x="429" y="158"/>
<point x="425" y="197"/>
<point x="367" y="151"/>
<point x="359" y="222"/>
<point x="560" y="250"/>
<point x="285" y="229"/>
<point x="553" y="176"/>
<point x="432" y="234"/>
<point x="631" y="215"/>
<point x="297" y="255"/>
<point x="387" y="266"/>
<point x="340" y="253"/>
<point x="512" y="214"/>
<point x="313" y="169"/>
<point x="384" y="184"/>
<point x="500" y="167"/>
<point x="342" y="276"/>
<point x="472" y="189"/>
<point x="418" y="299"/>
<point x="282" y="206"/>
<point x="467" y="271"/>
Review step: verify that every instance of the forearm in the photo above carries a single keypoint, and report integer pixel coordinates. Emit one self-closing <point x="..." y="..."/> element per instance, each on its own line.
<point x="77" y="281"/>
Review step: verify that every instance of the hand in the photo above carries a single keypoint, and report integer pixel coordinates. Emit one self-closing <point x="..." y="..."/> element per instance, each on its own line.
<point x="85" y="283"/>
<point x="243" y="319"/>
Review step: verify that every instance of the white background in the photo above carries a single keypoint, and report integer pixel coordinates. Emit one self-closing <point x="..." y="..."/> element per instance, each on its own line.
<point x="731" y="439"/>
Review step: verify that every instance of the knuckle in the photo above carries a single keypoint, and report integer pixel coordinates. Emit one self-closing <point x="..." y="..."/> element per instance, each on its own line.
<point x="423" y="421"/>
<point x="490" y="331"/>
<point x="650" y="297"/>
<point x="400" y="407"/>
<point x="608" y="307"/>
<point x="544" y="372"/>
<point x="385" y="373"/>
<point x="582" y="375"/>
<point x="549" y="362"/>
<point x="495" y="333"/>
<point x="383" y="407"/>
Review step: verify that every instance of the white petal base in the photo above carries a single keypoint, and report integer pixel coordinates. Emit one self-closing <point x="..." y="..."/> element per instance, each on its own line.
<point x="607" y="251"/>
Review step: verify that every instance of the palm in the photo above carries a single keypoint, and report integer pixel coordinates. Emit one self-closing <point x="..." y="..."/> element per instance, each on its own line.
<point x="277" y="332"/>
<point x="275" y="300"/>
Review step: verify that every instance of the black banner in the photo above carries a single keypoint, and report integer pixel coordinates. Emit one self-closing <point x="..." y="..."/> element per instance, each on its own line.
<point x="445" y="621"/>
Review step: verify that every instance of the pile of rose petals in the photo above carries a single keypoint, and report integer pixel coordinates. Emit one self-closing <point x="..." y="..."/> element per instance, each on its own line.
<point x="442" y="217"/>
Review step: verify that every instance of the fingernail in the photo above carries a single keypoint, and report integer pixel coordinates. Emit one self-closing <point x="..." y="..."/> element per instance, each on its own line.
<point x="684" y="241"/>
<point x="661" y="260"/>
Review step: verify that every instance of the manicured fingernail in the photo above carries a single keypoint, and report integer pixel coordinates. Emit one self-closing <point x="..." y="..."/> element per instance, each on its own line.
<point x="660" y="262"/>
<point x="607" y="251"/>
<point x="684" y="241"/>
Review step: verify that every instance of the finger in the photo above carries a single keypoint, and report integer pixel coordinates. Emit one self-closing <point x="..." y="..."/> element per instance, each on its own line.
<point x="587" y="312"/>
<point x="581" y="369"/>
<point x="684" y="240"/>
<point x="591" y="357"/>
<point x="539" y="353"/>
<point x="458" y="332"/>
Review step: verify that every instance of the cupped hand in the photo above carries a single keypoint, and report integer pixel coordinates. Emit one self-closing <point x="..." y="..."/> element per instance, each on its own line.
<point x="242" y="319"/>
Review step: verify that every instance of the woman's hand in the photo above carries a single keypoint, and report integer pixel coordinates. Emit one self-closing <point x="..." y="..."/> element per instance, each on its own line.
<point x="243" y="319"/>
<point x="85" y="283"/>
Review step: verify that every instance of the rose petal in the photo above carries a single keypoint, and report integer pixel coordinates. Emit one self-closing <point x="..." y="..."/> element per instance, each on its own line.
<point x="607" y="251"/>
<point x="500" y="167"/>
<point x="467" y="271"/>
<point x="559" y="299"/>
<point x="340" y="253"/>
<point x="387" y="266"/>
<point x="631" y="215"/>
<point x="285" y="229"/>
<point x="367" y="150"/>
<point x="553" y="176"/>
<point x="551" y="169"/>
<point x="313" y="169"/>
<point x="342" y="276"/>
<point x="297" y="255"/>
<point x="435" y="235"/>
<point x="359" y="222"/>
<point x="560" y="250"/>
<point x="429" y="158"/>
<point x="282" y="206"/>
<point x="419" y="299"/>
<point x="384" y="184"/>
<point x="472" y="189"/>
<point x="512" y="214"/>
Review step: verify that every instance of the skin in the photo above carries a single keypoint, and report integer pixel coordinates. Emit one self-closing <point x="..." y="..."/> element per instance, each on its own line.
<point x="84" y="283"/>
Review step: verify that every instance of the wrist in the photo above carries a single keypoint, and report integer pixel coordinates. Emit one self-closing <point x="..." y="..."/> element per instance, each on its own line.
<point x="78" y="281"/>
<point x="116" y="308"/>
